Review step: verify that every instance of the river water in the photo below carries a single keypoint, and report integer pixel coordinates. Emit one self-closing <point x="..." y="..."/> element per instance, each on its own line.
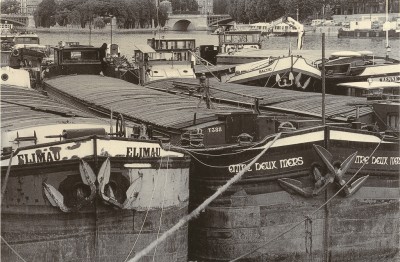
<point x="312" y="41"/>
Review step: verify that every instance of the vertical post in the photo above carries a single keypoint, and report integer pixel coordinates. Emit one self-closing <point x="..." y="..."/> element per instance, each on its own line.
<point x="387" y="29"/>
<point x="111" y="29"/>
<point x="90" y="30"/>
<point x="323" y="79"/>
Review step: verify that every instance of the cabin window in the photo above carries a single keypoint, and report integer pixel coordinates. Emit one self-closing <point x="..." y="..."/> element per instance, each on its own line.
<point x="88" y="56"/>
<point x="26" y="40"/>
<point x="392" y="120"/>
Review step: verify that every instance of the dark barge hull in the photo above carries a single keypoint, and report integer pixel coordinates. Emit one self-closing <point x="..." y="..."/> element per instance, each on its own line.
<point x="361" y="227"/>
<point x="99" y="230"/>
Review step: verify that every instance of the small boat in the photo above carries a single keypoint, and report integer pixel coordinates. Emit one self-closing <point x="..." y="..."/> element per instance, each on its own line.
<point x="292" y="72"/>
<point x="165" y="58"/>
<point x="79" y="187"/>
<point x="352" y="66"/>
<point x="369" y="29"/>
<point x="23" y="59"/>
<point x="15" y="77"/>
<point x="231" y="42"/>
<point x="372" y="89"/>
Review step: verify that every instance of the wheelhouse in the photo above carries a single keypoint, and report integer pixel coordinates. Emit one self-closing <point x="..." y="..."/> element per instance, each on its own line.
<point x="172" y="49"/>
<point x="235" y="40"/>
<point x="73" y="58"/>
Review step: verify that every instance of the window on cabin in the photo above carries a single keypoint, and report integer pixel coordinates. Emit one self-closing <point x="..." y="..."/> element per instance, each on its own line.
<point x="85" y="56"/>
<point x="26" y="40"/>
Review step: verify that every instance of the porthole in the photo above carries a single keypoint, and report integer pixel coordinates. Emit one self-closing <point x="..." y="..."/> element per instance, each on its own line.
<point x="4" y="77"/>
<point x="185" y="71"/>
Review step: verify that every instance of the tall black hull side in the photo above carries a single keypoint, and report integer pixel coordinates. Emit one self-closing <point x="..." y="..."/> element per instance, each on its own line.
<point x="362" y="226"/>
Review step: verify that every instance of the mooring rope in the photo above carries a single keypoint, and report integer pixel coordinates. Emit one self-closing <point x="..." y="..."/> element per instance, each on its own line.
<point x="273" y="70"/>
<point x="147" y="212"/>
<point x="3" y="189"/>
<point x="13" y="250"/>
<point x="201" y="207"/>
<point x="226" y="154"/>
<point x="162" y="204"/>
<point x="312" y="214"/>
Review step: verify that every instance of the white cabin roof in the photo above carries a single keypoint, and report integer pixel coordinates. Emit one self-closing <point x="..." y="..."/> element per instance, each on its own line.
<point x="144" y="49"/>
<point x="346" y="54"/>
<point x="371" y="85"/>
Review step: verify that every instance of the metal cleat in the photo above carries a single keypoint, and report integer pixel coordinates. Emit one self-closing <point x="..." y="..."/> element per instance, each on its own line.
<point x="326" y="157"/>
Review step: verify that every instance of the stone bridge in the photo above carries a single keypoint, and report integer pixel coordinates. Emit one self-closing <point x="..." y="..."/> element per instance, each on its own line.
<point x="185" y="22"/>
<point x="17" y="20"/>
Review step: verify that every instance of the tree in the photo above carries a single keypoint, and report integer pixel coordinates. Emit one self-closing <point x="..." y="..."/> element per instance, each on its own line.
<point x="46" y="13"/>
<point x="10" y="7"/>
<point x="163" y="10"/>
<point x="251" y="10"/>
<point x="99" y="23"/>
<point x="221" y="6"/>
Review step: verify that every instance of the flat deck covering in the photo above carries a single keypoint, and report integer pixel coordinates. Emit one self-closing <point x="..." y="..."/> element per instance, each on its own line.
<point x="274" y="99"/>
<point x="21" y="107"/>
<point x="137" y="102"/>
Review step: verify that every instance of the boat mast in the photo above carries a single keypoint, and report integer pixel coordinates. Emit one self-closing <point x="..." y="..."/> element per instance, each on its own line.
<point x="323" y="79"/>
<point x="387" y="27"/>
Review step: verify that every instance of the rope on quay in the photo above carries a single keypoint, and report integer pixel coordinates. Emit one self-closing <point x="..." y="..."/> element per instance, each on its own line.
<point x="16" y="253"/>
<point x="197" y="211"/>
<point x="307" y="217"/>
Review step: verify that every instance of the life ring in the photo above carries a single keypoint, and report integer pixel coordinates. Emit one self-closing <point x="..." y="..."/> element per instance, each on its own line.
<point x="15" y="52"/>
<point x="244" y="138"/>
<point x="286" y="126"/>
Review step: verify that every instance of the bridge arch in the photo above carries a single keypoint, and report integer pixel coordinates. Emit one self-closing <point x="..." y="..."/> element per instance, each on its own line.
<point x="183" y="25"/>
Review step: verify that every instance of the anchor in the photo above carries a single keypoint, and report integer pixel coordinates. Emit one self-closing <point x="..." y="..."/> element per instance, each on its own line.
<point x="57" y="199"/>
<point x="299" y="85"/>
<point x="321" y="182"/>
<point x="326" y="157"/>
<point x="106" y="192"/>
<point x="284" y="81"/>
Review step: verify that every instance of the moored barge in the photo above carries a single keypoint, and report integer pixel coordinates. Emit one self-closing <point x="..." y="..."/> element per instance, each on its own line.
<point x="72" y="189"/>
